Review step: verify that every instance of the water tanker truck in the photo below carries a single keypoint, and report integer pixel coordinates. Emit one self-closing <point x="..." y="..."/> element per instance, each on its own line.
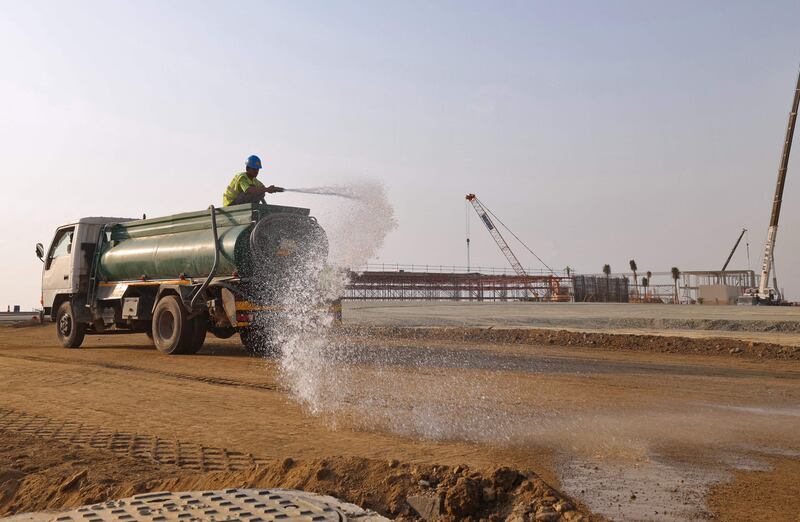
<point x="177" y="277"/>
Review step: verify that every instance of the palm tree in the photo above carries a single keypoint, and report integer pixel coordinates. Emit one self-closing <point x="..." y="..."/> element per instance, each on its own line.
<point x="675" y="275"/>
<point x="645" y="282"/>
<point x="649" y="278"/>
<point x="635" y="281"/>
<point x="607" y="272"/>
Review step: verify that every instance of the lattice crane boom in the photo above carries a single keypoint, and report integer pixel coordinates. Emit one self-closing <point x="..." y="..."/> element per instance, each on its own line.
<point x="498" y="238"/>
<point x="768" y="261"/>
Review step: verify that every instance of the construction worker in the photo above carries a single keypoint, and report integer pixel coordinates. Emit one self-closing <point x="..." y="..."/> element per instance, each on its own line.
<point x="245" y="188"/>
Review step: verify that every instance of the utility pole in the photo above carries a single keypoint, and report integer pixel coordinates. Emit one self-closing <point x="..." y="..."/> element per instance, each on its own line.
<point x="466" y="222"/>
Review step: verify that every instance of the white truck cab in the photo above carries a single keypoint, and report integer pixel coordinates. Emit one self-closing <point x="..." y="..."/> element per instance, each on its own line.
<point x="65" y="274"/>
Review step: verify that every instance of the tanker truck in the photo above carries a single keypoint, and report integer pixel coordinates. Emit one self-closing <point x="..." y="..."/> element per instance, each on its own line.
<point x="178" y="277"/>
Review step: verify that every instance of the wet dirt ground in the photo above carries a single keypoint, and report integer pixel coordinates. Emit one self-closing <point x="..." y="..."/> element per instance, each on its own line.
<point x="628" y="435"/>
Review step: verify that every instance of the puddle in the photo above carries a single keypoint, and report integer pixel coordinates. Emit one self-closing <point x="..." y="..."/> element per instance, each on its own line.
<point x="766" y="450"/>
<point x="647" y="489"/>
<point x="759" y="410"/>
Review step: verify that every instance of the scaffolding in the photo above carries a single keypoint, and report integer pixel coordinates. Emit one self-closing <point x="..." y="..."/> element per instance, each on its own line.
<point x="600" y="289"/>
<point x="691" y="281"/>
<point x="397" y="282"/>
<point x="441" y="286"/>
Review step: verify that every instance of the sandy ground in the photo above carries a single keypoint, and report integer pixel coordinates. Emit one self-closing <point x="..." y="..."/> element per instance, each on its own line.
<point x="628" y="435"/>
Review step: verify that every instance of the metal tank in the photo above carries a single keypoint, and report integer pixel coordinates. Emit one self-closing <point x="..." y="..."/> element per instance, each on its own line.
<point x="182" y="245"/>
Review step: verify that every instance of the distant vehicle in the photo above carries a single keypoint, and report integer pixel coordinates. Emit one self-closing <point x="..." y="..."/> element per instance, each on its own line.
<point x="176" y="277"/>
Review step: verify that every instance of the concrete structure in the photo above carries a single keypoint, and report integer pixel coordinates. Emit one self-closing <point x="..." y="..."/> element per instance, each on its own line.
<point x="13" y="317"/>
<point x="718" y="294"/>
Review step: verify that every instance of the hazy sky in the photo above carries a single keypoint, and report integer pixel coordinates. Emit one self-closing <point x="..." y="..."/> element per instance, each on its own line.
<point x="599" y="131"/>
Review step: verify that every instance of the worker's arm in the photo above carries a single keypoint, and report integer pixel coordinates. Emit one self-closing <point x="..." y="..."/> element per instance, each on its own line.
<point x="256" y="190"/>
<point x="262" y="190"/>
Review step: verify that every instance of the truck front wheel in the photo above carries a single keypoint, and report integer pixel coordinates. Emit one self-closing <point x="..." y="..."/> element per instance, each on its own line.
<point x="172" y="330"/>
<point x="70" y="332"/>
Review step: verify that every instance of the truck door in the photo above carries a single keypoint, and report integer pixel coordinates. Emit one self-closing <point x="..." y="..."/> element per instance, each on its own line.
<point x="56" y="278"/>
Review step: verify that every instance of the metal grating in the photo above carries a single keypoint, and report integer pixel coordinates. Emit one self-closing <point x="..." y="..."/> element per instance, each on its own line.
<point x="249" y="505"/>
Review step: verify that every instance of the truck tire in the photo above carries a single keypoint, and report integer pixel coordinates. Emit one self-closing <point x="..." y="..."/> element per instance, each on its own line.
<point x="70" y="332"/>
<point x="249" y="341"/>
<point x="172" y="330"/>
<point x="198" y="328"/>
<point x="257" y="343"/>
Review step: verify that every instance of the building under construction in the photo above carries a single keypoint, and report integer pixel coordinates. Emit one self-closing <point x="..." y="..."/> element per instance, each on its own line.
<point x="426" y="283"/>
<point x="390" y="282"/>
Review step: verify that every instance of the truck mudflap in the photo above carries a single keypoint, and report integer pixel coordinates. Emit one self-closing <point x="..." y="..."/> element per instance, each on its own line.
<point x="246" y="311"/>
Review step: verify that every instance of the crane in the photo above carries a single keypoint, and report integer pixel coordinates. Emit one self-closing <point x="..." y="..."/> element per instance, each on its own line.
<point x="735" y="246"/>
<point x="763" y="293"/>
<point x="498" y="237"/>
<point x="483" y="213"/>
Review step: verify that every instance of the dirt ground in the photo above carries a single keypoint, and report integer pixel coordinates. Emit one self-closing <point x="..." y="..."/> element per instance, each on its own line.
<point x="486" y="427"/>
<point x="760" y="324"/>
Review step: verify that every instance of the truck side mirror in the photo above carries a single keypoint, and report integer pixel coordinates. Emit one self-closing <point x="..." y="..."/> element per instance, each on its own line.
<point x="40" y="252"/>
<point x="69" y="248"/>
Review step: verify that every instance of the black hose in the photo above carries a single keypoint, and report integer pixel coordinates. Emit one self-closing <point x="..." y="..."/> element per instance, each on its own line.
<point x="216" y="257"/>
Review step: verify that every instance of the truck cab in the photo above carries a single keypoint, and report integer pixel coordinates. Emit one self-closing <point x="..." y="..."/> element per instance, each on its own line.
<point x="65" y="273"/>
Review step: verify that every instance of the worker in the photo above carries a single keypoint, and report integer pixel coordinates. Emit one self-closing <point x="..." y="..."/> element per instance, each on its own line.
<point x="245" y="187"/>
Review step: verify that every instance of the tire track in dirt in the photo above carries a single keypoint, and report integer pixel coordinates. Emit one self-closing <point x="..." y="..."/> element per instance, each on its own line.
<point x="186" y="455"/>
<point x="220" y="381"/>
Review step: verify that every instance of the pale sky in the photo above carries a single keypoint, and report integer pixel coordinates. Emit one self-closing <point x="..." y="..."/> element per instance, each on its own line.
<point x="598" y="131"/>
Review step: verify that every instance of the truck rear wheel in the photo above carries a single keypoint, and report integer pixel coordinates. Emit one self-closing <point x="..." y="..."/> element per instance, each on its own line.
<point x="257" y="343"/>
<point x="70" y="332"/>
<point x="198" y="328"/>
<point x="172" y="331"/>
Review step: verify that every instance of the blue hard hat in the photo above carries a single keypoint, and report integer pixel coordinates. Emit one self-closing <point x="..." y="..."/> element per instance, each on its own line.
<point x="253" y="162"/>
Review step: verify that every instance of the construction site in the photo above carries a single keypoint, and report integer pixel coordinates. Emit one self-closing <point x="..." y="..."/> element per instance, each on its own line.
<point x="261" y="359"/>
<point x="408" y="392"/>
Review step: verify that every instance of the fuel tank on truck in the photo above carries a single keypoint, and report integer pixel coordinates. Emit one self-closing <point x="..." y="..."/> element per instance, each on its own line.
<point x="251" y="236"/>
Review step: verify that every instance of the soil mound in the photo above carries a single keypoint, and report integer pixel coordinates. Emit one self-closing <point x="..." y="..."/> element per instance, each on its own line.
<point x="598" y="341"/>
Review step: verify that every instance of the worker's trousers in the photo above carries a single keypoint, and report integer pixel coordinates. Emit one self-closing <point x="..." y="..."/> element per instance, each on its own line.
<point x="244" y="197"/>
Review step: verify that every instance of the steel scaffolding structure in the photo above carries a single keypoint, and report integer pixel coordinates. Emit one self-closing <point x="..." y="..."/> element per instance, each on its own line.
<point x="600" y="289"/>
<point x="692" y="280"/>
<point x="394" y="282"/>
<point x="436" y="286"/>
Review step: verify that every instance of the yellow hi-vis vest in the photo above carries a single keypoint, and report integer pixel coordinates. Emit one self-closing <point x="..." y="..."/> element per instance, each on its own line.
<point x="241" y="182"/>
